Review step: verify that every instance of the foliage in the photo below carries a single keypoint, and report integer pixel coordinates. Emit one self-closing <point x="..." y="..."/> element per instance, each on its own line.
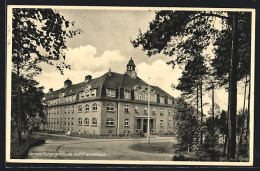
<point x="195" y="69"/>
<point x="20" y="150"/>
<point x="222" y="44"/>
<point x="31" y="99"/>
<point x="187" y="127"/>
<point x="39" y="35"/>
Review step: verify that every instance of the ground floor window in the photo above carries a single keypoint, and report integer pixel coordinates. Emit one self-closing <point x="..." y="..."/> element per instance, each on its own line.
<point x="86" y="122"/>
<point x="94" y="122"/>
<point x="127" y="122"/>
<point x="161" y="123"/>
<point x="110" y="122"/>
<point x="79" y="121"/>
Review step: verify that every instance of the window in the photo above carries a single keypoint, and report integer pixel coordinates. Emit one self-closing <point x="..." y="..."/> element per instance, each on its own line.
<point x="79" y="121"/>
<point x="93" y="93"/>
<point x="94" y="107"/>
<point x="65" y="109"/>
<point x="94" y="122"/>
<point x="110" y="122"/>
<point x="136" y="109"/>
<point x="140" y="96"/>
<point x="154" y="111"/>
<point x="161" y="111"/>
<point x="162" y="100"/>
<point x="169" y="113"/>
<point x="72" y="110"/>
<point x="169" y="122"/>
<point x="72" y="121"/>
<point x="80" y="108"/>
<point x="110" y="107"/>
<point x="82" y="94"/>
<point x="57" y="120"/>
<point x="169" y="101"/>
<point x="146" y="96"/>
<point x="68" y="121"/>
<point x="145" y="110"/>
<point x="127" y="108"/>
<point x="69" y="110"/>
<point x="60" y="121"/>
<point x="54" y="120"/>
<point x="127" y="95"/>
<point x="86" y="122"/>
<point x="65" y="121"/>
<point x="86" y="108"/>
<point x="111" y="93"/>
<point x="87" y="94"/>
<point x="161" y="123"/>
<point x="127" y="122"/>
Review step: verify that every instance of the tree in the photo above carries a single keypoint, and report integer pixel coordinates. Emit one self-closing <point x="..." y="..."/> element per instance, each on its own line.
<point x="186" y="126"/>
<point x="182" y="33"/>
<point x="38" y="36"/>
<point x="192" y="77"/>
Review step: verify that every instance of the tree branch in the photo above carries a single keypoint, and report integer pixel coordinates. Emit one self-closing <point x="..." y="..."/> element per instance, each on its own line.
<point x="208" y="14"/>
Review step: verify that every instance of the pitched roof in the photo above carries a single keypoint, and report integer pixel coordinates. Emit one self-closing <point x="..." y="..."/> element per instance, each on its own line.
<point x="109" y="80"/>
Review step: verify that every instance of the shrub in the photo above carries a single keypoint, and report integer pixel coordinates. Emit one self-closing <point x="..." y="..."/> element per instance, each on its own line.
<point x="178" y="158"/>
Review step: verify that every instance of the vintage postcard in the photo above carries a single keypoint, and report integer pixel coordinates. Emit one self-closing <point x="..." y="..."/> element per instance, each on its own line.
<point x="130" y="85"/>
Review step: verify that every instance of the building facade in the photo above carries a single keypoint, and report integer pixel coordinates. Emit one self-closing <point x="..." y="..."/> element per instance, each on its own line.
<point x="113" y="104"/>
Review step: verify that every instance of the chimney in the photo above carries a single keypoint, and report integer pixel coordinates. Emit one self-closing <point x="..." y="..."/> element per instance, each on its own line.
<point x="88" y="78"/>
<point x="50" y="90"/>
<point x="67" y="83"/>
<point x="109" y="72"/>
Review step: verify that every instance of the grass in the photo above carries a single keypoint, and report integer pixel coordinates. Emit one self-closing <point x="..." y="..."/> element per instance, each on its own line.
<point x="20" y="150"/>
<point x="101" y="136"/>
<point x="51" y="137"/>
<point x="162" y="147"/>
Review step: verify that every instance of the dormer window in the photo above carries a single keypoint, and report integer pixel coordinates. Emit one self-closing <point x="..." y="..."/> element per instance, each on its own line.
<point x="111" y="93"/>
<point x="146" y="96"/>
<point x="162" y="100"/>
<point x="127" y="95"/>
<point x="139" y="96"/>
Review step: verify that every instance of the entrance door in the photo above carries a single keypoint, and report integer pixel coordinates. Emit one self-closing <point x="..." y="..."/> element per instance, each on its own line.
<point x="145" y="126"/>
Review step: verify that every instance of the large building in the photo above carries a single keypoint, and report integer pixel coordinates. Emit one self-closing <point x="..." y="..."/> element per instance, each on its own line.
<point x="113" y="104"/>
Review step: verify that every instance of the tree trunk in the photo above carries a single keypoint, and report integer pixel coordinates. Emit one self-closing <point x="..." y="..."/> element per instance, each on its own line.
<point x="213" y="109"/>
<point x="248" y="114"/>
<point x="201" y="119"/>
<point x="233" y="86"/>
<point x="243" y="118"/>
<point x="225" y="145"/>
<point x="197" y="101"/>
<point x="19" y="112"/>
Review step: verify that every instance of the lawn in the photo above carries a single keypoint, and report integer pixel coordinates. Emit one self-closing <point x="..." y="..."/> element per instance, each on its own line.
<point x="162" y="147"/>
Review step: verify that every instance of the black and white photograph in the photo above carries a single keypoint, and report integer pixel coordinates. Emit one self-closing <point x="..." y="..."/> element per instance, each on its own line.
<point x="130" y="85"/>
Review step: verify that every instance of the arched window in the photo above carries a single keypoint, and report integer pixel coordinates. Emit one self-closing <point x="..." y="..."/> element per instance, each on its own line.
<point x="94" y="122"/>
<point x="110" y="122"/>
<point x="127" y="108"/>
<point x="94" y="107"/>
<point x="145" y="110"/>
<point x="79" y="121"/>
<point x="86" y="122"/>
<point x="80" y="108"/>
<point x="136" y="109"/>
<point x="161" y="111"/>
<point x="86" y="108"/>
<point x="110" y="107"/>
<point x="154" y="111"/>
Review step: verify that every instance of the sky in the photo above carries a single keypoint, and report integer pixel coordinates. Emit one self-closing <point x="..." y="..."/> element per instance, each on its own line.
<point x="105" y="43"/>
